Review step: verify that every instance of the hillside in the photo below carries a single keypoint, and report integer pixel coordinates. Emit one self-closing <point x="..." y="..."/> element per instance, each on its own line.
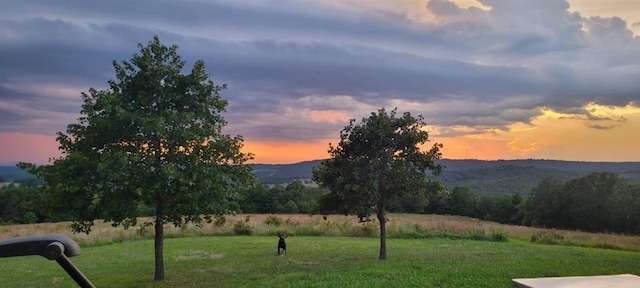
<point x="13" y="173"/>
<point x="485" y="177"/>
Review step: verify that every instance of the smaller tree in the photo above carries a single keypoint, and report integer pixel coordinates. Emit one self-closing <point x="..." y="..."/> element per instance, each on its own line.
<point x="376" y="161"/>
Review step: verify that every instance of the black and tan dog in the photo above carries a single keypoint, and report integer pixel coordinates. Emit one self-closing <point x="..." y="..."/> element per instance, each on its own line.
<point x="282" y="244"/>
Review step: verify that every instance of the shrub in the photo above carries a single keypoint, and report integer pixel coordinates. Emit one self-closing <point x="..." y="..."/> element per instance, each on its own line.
<point x="547" y="237"/>
<point x="291" y="222"/>
<point x="219" y="220"/>
<point x="243" y="227"/>
<point x="331" y="228"/>
<point x="368" y="230"/>
<point x="499" y="236"/>
<point x="475" y="234"/>
<point x="29" y="218"/>
<point x="145" y="228"/>
<point x="273" y="220"/>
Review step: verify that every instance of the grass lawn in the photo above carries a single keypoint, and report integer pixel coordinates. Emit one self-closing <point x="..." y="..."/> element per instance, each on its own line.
<point x="251" y="261"/>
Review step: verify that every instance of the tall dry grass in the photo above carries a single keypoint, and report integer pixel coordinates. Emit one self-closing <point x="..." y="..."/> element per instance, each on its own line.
<point x="399" y="226"/>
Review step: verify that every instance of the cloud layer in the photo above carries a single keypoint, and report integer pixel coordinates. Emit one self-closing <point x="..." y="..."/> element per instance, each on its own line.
<point x="297" y="70"/>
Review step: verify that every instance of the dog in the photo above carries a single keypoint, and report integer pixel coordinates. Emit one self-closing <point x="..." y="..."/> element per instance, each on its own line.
<point x="282" y="245"/>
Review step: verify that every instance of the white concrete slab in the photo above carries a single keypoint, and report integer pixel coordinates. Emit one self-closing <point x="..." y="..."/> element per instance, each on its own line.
<point x="604" y="281"/>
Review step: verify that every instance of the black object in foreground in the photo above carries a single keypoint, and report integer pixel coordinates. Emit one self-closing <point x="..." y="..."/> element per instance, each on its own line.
<point x="53" y="247"/>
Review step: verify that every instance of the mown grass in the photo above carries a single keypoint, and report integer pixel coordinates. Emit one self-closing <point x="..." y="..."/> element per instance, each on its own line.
<point x="251" y="261"/>
<point x="423" y="251"/>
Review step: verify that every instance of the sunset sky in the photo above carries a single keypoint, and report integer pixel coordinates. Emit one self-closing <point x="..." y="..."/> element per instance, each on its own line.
<point x="494" y="79"/>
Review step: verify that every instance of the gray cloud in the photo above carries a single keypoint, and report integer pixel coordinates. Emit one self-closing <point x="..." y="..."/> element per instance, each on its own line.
<point x="605" y="123"/>
<point x="474" y="67"/>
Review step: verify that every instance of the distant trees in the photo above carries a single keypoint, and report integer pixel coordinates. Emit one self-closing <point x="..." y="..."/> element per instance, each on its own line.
<point x="462" y="201"/>
<point x="292" y="198"/>
<point x="15" y="203"/>
<point x="505" y="209"/>
<point x="624" y="207"/>
<point x="153" y="140"/>
<point x="12" y="206"/>
<point x="587" y="199"/>
<point x="547" y="205"/>
<point x="552" y="203"/>
<point x="598" y="202"/>
<point x="376" y="161"/>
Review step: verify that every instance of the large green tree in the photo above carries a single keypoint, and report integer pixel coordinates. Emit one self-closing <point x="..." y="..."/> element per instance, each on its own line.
<point x="376" y="161"/>
<point x="462" y="201"/>
<point x="152" y="139"/>
<point x="547" y="205"/>
<point x="589" y="196"/>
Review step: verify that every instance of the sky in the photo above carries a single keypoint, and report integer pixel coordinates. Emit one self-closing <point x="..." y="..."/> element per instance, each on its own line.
<point x="494" y="79"/>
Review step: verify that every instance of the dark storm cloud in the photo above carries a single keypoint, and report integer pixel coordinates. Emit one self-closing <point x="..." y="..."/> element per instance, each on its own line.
<point x="482" y="68"/>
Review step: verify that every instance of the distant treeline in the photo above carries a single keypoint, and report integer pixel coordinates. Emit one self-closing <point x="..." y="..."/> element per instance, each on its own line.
<point x="486" y="178"/>
<point x="500" y="177"/>
<point x="597" y="202"/>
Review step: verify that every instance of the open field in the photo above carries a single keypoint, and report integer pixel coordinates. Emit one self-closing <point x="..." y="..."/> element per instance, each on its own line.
<point x="251" y="261"/>
<point x="399" y="226"/>
<point x="325" y="258"/>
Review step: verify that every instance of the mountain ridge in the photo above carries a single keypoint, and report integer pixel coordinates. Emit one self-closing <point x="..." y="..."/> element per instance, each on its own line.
<point x="486" y="177"/>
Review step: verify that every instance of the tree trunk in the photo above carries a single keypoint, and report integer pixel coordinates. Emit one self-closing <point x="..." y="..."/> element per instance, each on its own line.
<point x="159" y="243"/>
<point x="383" y="232"/>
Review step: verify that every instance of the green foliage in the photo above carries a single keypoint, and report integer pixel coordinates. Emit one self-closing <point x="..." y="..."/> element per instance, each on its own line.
<point x="220" y="220"/>
<point x="290" y="222"/>
<point x="487" y="178"/>
<point x="598" y="202"/>
<point x="29" y="218"/>
<point x="367" y="229"/>
<point x="19" y="204"/>
<point x="153" y="138"/>
<point x="546" y="205"/>
<point x="499" y="236"/>
<point x="243" y="227"/>
<point x="290" y="207"/>
<point x="499" y="179"/>
<point x="376" y="161"/>
<point x="547" y="237"/>
<point x="273" y="220"/>
<point x="462" y="201"/>
<point x="292" y="199"/>
<point x="506" y="209"/>
<point x="587" y="199"/>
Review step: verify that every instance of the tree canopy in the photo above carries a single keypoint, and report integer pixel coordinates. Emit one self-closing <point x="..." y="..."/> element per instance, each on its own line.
<point x="376" y="161"/>
<point x="152" y="139"/>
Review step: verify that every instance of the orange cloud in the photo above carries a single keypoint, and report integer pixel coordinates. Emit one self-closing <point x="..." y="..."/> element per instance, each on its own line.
<point x="466" y="147"/>
<point x="553" y="135"/>
<point x="271" y="152"/>
<point x="605" y="134"/>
